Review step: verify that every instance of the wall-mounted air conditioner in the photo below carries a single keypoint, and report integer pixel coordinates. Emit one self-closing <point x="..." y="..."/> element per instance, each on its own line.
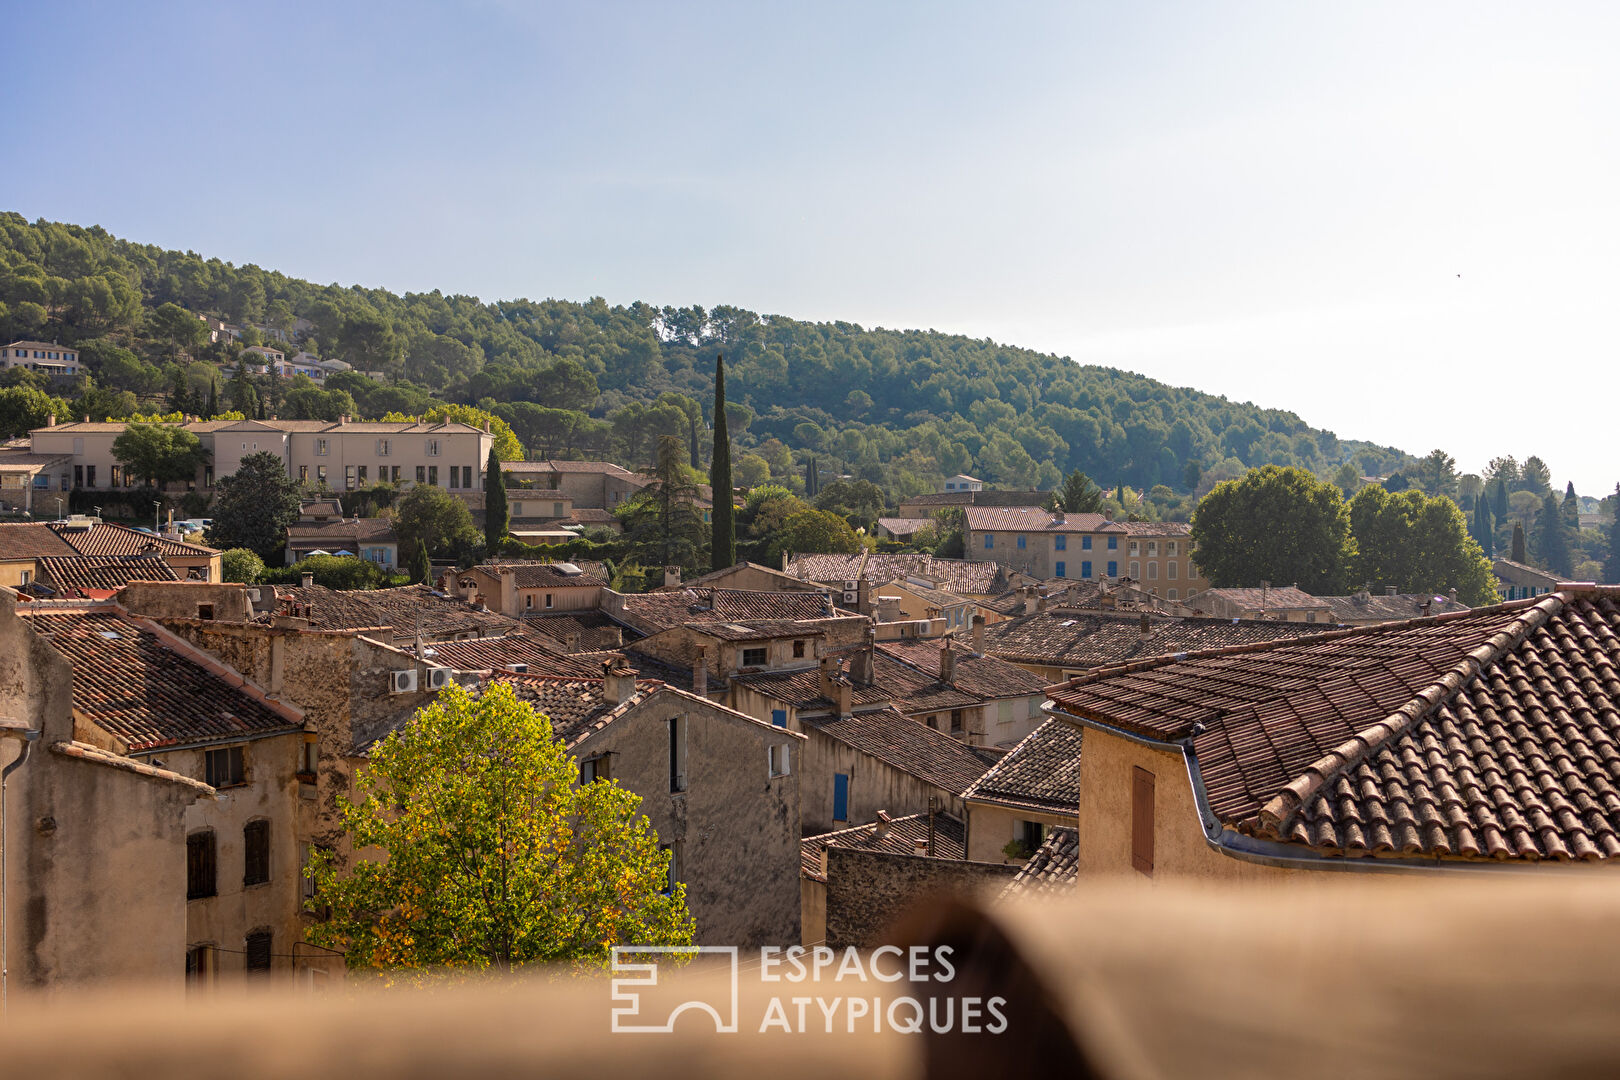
<point x="852" y="598"/>
<point x="403" y="682"/>
<point x="439" y="677"/>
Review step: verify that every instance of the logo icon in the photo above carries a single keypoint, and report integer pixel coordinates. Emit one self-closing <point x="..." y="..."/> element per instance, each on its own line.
<point x="633" y="980"/>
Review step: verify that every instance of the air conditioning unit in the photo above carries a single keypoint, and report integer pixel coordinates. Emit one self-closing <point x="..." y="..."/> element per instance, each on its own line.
<point x="439" y="677"/>
<point x="403" y="682"/>
<point x="852" y="598"/>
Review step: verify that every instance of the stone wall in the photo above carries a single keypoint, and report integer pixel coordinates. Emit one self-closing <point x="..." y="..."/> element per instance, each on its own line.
<point x="867" y="891"/>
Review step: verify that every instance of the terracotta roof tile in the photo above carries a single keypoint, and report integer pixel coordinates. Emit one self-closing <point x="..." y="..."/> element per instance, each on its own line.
<point x="394" y="609"/>
<point x="1082" y="639"/>
<point x="961" y="576"/>
<point x="106" y="538"/>
<point x="1052" y="871"/>
<point x="911" y="747"/>
<point x="76" y="573"/>
<point x="651" y="612"/>
<point x="899" y="838"/>
<point x="1041" y="773"/>
<point x="984" y="677"/>
<point x="28" y="540"/>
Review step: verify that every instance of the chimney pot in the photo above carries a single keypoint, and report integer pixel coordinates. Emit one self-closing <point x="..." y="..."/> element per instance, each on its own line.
<point x="920" y="846"/>
<point x="883" y="822"/>
<point x="308" y="580"/>
<point x="1390" y="590"/>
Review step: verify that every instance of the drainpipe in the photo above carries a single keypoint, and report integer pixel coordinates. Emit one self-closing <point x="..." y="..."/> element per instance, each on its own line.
<point x="12" y="729"/>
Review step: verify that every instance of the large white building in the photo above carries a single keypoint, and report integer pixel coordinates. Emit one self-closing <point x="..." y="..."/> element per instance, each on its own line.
<point x="47" y="358"/>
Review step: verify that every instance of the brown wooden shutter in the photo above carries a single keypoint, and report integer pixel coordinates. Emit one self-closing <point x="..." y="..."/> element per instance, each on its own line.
<point x="258" y="951"/>
<point x="1142" y="820"/>
<point x="200" y="866"/>
<point x="256" y="852"/>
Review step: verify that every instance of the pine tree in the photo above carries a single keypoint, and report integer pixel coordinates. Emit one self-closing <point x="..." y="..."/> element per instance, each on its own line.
<point x="497" y="518"/>
<point x="421" y="568"/>
<point x="1552" y="540"/>
<point x="1518" y="555"/>
<point x="723" y="539"/>
<point x="179" y="395"/>
<point x="1611" y="566"/>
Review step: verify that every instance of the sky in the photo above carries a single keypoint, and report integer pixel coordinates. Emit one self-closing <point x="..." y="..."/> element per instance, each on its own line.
<point x="1400" y="221"/>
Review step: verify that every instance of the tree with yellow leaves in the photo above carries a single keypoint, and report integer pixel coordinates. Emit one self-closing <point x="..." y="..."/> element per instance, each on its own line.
<point x="478" y="849"/>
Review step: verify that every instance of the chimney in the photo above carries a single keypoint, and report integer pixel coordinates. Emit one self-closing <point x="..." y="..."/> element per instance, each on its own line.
<point x="888" y="609"/>
<point x="1057" y="516"/>
<point x="700" y="674"/>
<point x="1389" y="590"/>
<point x="486" y="425"/>
<point x="919" y="846"/>
<point x="50" y="421"/>
<point x="344" y="419"/>
<point x="883" y="822"/>
<point x="829" y="676"/>
<point x="1108" y="514"/>
<point x="87" y="418"/>
<point x="672" y="576"/>
<point x="1427" y="604"/>
<point x="947" y="662"/>
<point x="307" y="580"/>
<point x="1040" y="603"/>
<point x="860" y="665"/>
<point x="618" y="681"/>
<point x="978" y="634"/>
<point x="863" y="596"/>
<point x="1031" y="601"/>
<point x="1453" y="595"/>
<point x="1147" y="625"/>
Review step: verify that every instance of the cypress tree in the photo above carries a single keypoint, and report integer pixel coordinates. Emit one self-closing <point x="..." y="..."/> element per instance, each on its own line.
<point x="812" y="483"/>
<point x="1570" y="509"/>
<point x="723" y="540"/>
<point x="1551" y="538"/>
<point x="421" y="567"/>
<point x="213" y="400"/>
<point x="1499" y="503"/>
<point x="1611" y="566"/>
<point x="1518" y="555"/>
<point x="1484" y="527"/>
<point x="497" y="517"/>
<point x="692" y="441"/>
<point x="179" y="395"/>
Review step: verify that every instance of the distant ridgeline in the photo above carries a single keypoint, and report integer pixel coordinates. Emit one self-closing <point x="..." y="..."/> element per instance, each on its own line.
<point x="900" y="408"/>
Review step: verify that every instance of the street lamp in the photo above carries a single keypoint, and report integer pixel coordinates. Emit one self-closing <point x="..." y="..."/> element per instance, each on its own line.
<point x="157" y="510"/>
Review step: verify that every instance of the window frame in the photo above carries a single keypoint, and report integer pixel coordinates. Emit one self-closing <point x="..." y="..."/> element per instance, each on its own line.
<point x="256" y="853"/>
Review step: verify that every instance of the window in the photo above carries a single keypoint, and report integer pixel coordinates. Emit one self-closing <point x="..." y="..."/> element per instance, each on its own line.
<point x="1169" y="547"/>
<point x="455" y="477"/>
<point x="1060" y="569"/>
<point x="1152" y="547"/>
<point x="78" y="476"/>
<point x="309" y="756"/>
<point x="548" y="600"/>
<point x="1153" y="571"/>
<point x="383" y="448"/>
<point x="201" y="963"/>
<point x="1085" y="543"/>
<point x="362" y="471"/>
<point x="433" y="448"/>
<point x="117" y="476"/>
<point x="1034" y="833"/>
<point x="27" y="576"/>
<point x="956" y="721"/>
<point x="433" y="475"/>
<point x="1113" y="569"/>
<point x="1004" y="712"/>
<point x="677" y="754"/>
<point x="1020" y="541"/>
<point x="1113" y="543"/>
<point x="303" y="473"/>
<point x="1060" y="542"/>
<point x="394" y="471"/>
<point x="1085" y="569"/>
<point x="1170" y="570"/>
<point x="421" y="474"/>
<point x="556" y="509"/>
<point x="348" y="477"/>
<point x="1172" y="593"/>
<point x="528" y="600"/>
<point x="779" y="718"/>
<point x="753" y="657"/>
<point x="258" y="952"/>
<point x="1134" y="546"/>
<point x="322" y="448"/>
<point x="673" y="877"/>
<point x="200" y="866"/>
<point x="777" y="760"/>
<point x="798" y="649"/>
<point x="840" y="796"/>
<point x="1136" y="571"/>
<point x="1142" y="820"/>
<point x="223" y="767"/>
<point x="593" y="769"/>
<point x="256" y="852"/>
<point x="89" y="476"/>
<point x="205" y="611"/>
<point x="320" y="475"/>
<point x="517" y="509"/>
<point x="989" y="541"/>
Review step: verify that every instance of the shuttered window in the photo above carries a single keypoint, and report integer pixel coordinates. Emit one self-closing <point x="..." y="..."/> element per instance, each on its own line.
<point x="258" y="952"/>
<point x="256" y="849"/>
<point x="200" y="866"/>
<point x="1142" y="820"/>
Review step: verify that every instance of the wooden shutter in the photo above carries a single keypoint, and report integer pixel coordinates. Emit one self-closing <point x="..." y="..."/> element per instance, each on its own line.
<point x="256" y="860"/>
<point x="1142" y="820"/>
<point x="258" y="951"/>
<point x="200" y="866"/>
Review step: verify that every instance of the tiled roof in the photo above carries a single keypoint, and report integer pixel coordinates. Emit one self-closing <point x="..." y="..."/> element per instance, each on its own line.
<point x="579" y="631"/>
<point x="1091" y="638"/>
<point x="532" y="650"/>
<point x="541" y="575"/>
<point x="352" y="531"/>
<point x="903" y="526"/>
<point x="1032" y="519"/>
<point x="982" y="676"/>
<point x="913" y="748"/>
<point x="97" y="756"/>
<point x="960" y="576"/>
<point x="938" y="597"/>
<point x="77" y="572"/>
<point x="1493" y="733"/>
<point x="899" y="838"/>
<point x="25" y="462"/>
<point x="982" y="497"/>
<point x="759" y="630"/>
<point x="144" y="686"/>
<point x="1052" y="871"/>
<point x="1385" y="608"/>
<point x="1086" y="593"/>
<point x="663" y="610"/>
<point x="575" y="705"/>
<point x="1269" y="599"/>
<point x="396" y="609"/>
<point x="1041" y="773"/>
<point x="607" y="467"/>
<point x="907" y="688"/>
<point x="106" y="538"/>
<point x="29" y="540"/>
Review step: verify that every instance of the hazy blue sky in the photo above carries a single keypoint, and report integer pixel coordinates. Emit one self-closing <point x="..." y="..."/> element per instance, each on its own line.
<point x="1398" y="220"/>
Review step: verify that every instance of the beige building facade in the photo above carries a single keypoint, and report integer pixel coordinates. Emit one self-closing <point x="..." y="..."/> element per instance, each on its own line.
<point x="1158" y="556"/>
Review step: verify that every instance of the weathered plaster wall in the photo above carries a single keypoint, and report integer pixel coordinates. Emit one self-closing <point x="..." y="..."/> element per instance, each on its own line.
<point x="867" y="891"/>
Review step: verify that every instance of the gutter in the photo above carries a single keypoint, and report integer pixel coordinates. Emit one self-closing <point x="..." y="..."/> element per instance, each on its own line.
<point x="1276" y="853"/>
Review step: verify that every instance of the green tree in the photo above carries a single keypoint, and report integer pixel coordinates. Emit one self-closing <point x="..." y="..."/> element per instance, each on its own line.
<point x="492" y="855"/>
<point x="812" y="531"/>
<point x="812" y="478"/>
<point x="1570" y="509"/>
<point x="1499" y="499"/>
<point x="1417" y="543"/>
<point x="1517" y="552"/>
<point x="507" y="447"/>
<point x="752" y="471"/>
<point x="254" y="505"/>
<point x="343" y="572"/>
<point x="421" y="567"/>
<point x="1437" y="474"/>
<point x="241" y="565"/>
<point x="437" y="519"/>
<point x="497" y="516"/>
<point x="1485" y="526"/>
<point x="1274" y="524"/>
<point x="160" y="453"/>
<point x="23" y="408"/>
<point x="1611" y="565"/>
<point x="723" y="535"/>
<point x="1079" y="495"/>
<point x="858" y="502"/>
<point x="1552" y="539"/>
<point x="1534" y="475"/>
<point x="179" y="327"/>
<point x="662" y="523"/>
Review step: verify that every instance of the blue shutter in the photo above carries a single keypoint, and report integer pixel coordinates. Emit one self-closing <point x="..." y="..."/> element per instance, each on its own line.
<point x="989" y="541"/>
<point x="779" y="717"/>
<point x="1060" y="572"/>
<point x="1085" y="543"/>
<point x="1085" y="569"/>
<point x="840" y="796"/>
<point x="1020" y="543"/>
<point x="1113" y="569"/>
<point x="1060" y="542"/>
